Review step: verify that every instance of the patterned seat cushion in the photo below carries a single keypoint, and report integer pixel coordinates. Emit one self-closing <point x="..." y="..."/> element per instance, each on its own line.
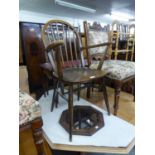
<point x="116" y="69"/>
<point x="28" y="108"/>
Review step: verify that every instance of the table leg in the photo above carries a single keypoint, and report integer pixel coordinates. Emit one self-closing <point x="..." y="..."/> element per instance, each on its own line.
<point x="70" y="107"/>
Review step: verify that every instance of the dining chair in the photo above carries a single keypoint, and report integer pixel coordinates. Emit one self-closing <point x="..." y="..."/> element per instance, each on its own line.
<point x="64" y="49"/>
<point x="118" y="72"/>
<point x="123" y="38"/>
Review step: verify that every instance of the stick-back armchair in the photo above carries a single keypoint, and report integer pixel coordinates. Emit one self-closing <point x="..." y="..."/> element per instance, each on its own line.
<point x="64" y="50"/>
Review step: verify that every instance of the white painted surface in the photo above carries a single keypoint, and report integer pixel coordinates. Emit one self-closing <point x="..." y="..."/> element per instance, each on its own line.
<point x="115" y="133"/>
<point x="29" y="16"/>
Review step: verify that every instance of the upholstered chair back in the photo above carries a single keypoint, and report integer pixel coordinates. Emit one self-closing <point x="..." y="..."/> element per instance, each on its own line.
<point x="97" y="42"/>
<point x="97" y="37"/>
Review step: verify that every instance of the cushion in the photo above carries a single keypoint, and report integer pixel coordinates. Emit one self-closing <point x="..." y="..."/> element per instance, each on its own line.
<point x="97" y="37"/>
<point x="116" y="69"/>
<point x="28" y="108"/>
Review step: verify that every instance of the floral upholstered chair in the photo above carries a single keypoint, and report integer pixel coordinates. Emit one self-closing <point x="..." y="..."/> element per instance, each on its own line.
<point x="118" y="71"/>
<point x="29" y="109"/>
<point x="30" y="118"/>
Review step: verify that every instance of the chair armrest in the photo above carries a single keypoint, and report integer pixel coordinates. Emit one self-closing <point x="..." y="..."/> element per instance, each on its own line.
<point x="47" y="69"/>
<point x="54" y="45"/>
<point x="46" y="66"/>
<point x="97" y="45"/>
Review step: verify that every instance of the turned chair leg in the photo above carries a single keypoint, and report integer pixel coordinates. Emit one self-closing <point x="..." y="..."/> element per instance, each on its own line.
<point x="36" y="126"/>
<point x="56" y="99"/>
<point x="62" y="88"/>
<point x="70" y="108"/>
<point x="116" y="100"/>
<point x="88" y="90"/>
<point x="106" y="97"/>
<point x="134" y="90"/>
<point x="78" y="92"/>
<point x="54" y="94"/>
<point x="45" y="87"/>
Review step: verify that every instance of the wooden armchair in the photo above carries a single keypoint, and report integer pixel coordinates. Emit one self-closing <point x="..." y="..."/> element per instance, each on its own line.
<point x="63" y="46"/>
<point x="118" y="71"/>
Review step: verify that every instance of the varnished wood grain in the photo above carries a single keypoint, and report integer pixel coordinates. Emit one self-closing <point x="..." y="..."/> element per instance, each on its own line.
<point x="27" y="146"/>
<point x="26" y="143"/>
<point x="20" y="52"/>
<point x="33" y="50"/>
<point x="81" y="75"/>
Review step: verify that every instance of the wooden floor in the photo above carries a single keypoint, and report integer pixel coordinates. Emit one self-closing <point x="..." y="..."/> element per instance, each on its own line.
<point x="26" y="144"/>
<point x="126" y="111"/>
<point x="126" y="104"/>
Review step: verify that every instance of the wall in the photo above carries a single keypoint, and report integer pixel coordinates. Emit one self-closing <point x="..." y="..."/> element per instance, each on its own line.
<point x="28" y="16"/>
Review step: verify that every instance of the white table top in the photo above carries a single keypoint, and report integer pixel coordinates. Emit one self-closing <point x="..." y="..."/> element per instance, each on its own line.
<point x="117" y="136"/>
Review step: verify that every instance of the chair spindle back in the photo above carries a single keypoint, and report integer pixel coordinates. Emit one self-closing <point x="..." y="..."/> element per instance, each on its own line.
<point x="69" y="53"/>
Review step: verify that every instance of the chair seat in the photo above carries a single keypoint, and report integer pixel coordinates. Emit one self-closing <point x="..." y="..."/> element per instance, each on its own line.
<point x="28" y="108"/>
<point x="116" y="69"/>
<point x="81" y="75"/>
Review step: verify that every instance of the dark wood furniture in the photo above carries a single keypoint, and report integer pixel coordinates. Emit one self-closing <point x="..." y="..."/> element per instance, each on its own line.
<point x="30" y="118"/>
<point x="47" y="71"/>
<point x="33" y="53"/>
<point x="87" y="120"/>
<point x="63" y="45"/>
<point x="20" y="51"/>
<point x="36" y="127"/>
<point x="118" y="83"/>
